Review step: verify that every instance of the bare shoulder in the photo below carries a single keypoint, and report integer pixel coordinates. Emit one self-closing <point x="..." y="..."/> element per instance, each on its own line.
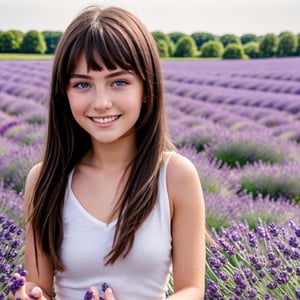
<point x="183" y="182"/>
<point x="31" y="180"/>
<point x="33" y="175"/>
<point x="181" y="170"/>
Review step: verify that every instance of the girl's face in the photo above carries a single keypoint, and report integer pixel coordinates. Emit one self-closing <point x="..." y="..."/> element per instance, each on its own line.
<point x="105" y="103"/>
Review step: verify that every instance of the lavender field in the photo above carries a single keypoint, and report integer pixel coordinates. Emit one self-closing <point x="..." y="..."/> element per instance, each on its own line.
<point x="239" y="122"/>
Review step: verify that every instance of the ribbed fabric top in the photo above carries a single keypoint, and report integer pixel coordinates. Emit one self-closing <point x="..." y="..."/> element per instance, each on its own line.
<point x="142" y="275"/>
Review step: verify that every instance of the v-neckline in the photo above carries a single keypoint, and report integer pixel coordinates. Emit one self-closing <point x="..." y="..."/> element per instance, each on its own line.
<point x="102" y="224"/>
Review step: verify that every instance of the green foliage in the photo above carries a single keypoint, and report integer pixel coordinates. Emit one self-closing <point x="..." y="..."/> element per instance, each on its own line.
<point x="10" y="41"/>
<point x="5" y="42"/>
<point x="216" y="221"/>
<point x="175" y="36"/>
<point x="185" y="47"/>
<point x="283" y="33"/>
<point x="251" y="49"/>
<point x="33" y="42"/>
<point x="234" y="51"/>
<point x="248" y="37"/>
<point x="212" y="49"/>
<point x="202" y="38"/>
<point x="158" y="35"/>
<point x="297" y="52"/>
<point x="51" y="38"/>
<point x="162" y="48"/>
<point x="252" y="217"/>
<point x="229" y="38"/>
<point x="287" y="45"/>
<point x="268" y="45"/>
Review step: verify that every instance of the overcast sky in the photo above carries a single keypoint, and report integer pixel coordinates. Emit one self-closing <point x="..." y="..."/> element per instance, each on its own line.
<point x="187" y="16"/>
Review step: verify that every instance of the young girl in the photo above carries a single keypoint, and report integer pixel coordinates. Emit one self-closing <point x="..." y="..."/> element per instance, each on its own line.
<point x="112" y="201"/>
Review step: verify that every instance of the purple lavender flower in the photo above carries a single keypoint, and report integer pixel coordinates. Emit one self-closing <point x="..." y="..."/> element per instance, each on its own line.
<point x="261" y="270"/>
<point x="15" y="165"/>
<point x="11" y="255"/>
<point x="88" y="295"/>
<point x="16" y="284"/>
<point x="104" y="286"/>
<point x="293" y="242"/>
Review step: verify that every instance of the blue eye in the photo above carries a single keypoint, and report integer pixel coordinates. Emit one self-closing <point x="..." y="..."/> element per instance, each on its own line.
<point x="119" y="83"/>
<point x="82" y="85"/>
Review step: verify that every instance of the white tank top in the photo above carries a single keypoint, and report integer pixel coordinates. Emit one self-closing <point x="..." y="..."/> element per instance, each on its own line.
<point x="142" y="275"/>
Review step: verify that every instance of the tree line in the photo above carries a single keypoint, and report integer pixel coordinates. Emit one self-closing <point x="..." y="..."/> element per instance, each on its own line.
<point x="227" y="46"/>
<point x="16" y="41"/>
<point x="174" y="44"/>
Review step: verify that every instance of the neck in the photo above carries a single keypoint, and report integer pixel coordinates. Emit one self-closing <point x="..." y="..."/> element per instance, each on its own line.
<point x="113" y="157"/>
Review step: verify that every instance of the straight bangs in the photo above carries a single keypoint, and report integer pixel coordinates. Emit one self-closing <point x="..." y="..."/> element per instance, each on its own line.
<point x="106" y="45"/>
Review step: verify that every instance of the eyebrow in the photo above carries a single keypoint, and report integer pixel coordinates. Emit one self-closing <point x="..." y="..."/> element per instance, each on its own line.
<point x="110" y="75"/>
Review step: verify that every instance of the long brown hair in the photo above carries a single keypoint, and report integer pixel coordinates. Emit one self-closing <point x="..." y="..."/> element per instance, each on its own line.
<point x="120" y="40"/>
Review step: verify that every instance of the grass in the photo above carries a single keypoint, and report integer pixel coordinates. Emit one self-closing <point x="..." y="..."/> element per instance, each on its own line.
<point x="25" y="56"/>
<point x="29" y="56"/>
<point x="189" y="58"/>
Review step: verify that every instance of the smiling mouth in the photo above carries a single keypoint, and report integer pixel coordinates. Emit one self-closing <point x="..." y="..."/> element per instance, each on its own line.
<point x="105" y="120"/>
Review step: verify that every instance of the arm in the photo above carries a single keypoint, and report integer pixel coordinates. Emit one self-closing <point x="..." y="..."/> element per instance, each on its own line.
<point x="43" y="277"/>
<point x="188" y="229"/>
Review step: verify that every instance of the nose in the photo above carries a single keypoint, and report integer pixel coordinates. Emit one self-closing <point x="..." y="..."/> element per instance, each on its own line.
<point x="101" y="101"/>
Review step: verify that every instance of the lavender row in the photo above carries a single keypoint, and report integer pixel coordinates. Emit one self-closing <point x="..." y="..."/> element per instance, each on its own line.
<point x="24" y="91"/>
<point x="19" y="131"/>
<point x="236" y="82"/>
<point x="26" y="70"/>
<point x="220" y="186"/>
<point x="18" y="105"/>
<point x="278" y="69"/>
<point x="216" y="94"/>
<point x="233" y="117"/>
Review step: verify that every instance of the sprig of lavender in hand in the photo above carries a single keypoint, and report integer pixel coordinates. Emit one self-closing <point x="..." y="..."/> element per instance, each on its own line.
<point x="89" y="294"/>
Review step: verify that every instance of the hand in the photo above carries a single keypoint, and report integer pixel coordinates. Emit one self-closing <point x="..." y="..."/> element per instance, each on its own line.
<point x="22" y="290"/>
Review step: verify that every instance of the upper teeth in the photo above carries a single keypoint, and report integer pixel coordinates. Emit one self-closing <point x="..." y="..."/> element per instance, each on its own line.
<point x="105" y="120"/>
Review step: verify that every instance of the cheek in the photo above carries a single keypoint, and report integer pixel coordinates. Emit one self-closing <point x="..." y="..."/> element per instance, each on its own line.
<point x="77" y="104"/>
<point x="77" y="111"/>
